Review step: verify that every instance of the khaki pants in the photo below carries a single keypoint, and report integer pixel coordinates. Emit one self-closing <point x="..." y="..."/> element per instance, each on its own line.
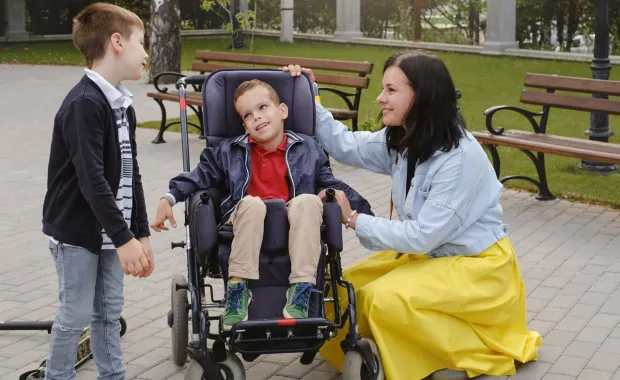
<point x="305" y="214"/>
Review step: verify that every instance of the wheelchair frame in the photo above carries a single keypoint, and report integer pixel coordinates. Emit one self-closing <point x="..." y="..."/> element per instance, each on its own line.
<point x="211" y="364"/>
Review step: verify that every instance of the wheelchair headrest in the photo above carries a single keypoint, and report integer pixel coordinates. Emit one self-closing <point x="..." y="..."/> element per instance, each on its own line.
<point x="220" y="119"/>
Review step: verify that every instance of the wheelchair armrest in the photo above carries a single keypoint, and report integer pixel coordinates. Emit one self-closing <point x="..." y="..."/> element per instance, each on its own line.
<point x="203" y="217"/>
<point x="332" y="219"/>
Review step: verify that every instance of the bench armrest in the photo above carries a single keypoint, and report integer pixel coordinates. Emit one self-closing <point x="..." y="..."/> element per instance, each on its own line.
<point x="342" y="94"/>
<point x="489" y="113"/>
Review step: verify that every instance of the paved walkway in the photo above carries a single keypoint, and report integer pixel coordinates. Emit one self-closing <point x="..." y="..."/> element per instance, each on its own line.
<point x="567" y="252"/>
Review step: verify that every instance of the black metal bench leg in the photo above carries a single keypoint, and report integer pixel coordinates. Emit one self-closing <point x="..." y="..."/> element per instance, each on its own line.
<point x="544" y="194"/>
<point x="202" y="127"/>
<point x="354" y="124"/>
<point x="160" y="135"/>
<point x="495" y="157"/>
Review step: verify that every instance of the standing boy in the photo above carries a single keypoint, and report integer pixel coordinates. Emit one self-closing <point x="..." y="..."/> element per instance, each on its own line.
<point x="94" y="212"/>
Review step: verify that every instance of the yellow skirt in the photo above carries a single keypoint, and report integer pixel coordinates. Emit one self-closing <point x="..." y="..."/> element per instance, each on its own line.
<point x="427" y="314"/>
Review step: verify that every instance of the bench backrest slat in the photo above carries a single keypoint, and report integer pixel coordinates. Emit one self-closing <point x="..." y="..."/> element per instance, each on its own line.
<point x="578" y="103"/>
<point x="336" y="80"/>
<point x="362" y="68"/>
<point x="585" y="85"/>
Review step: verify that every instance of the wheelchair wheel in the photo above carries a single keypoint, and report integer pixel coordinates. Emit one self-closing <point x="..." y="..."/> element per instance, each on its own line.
<point x="231" y="369"/>
<point x="179" y="319"/>
<point x="354" y="368"/>
<point x="123" y="326"/>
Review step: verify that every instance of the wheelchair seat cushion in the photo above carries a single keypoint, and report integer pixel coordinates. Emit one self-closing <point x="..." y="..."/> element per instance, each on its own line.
<point x="275" y="234"/>
<point x="220" y="119"/>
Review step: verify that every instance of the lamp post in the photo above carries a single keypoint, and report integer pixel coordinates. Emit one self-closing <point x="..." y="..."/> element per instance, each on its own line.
<point x="599" y="123"/>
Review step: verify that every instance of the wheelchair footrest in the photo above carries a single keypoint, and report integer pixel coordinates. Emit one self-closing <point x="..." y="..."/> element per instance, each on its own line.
<point x="280" y="335"/>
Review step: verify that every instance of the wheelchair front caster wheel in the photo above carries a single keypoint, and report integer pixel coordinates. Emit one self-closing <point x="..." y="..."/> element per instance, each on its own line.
<point x="179" y="319"/>
<point x="354" y="367"/>
<point x="230" y="369"/>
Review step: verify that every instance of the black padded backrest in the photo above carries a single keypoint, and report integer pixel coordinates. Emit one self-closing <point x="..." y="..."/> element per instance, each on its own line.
<point x="220" y="119"/>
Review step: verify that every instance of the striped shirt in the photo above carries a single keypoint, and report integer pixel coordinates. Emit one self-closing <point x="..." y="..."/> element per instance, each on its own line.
<point x="125" y="189"/>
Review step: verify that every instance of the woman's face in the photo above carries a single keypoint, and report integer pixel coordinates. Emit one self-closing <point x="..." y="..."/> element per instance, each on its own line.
<point x="396" y="98"/>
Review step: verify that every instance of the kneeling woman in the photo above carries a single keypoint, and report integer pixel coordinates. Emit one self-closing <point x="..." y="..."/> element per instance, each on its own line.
<point x="445" y="296"/>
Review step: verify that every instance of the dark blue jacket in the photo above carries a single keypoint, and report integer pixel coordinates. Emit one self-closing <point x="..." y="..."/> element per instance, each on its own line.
<point x="84" y="172"/>
<point x="228" y="166"/>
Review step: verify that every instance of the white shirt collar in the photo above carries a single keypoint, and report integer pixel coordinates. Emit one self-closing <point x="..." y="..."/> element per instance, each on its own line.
<point x="118" y="97"/>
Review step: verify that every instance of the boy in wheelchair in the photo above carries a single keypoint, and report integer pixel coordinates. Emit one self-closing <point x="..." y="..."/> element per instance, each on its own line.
<point x="265" y="163"/>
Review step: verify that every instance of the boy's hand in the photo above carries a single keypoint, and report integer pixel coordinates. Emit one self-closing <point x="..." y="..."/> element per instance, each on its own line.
<point x="164" y="212"/>
<point x="146" y="243"/>
<point x="133" y="257"/>
<point x="296" y="71"/>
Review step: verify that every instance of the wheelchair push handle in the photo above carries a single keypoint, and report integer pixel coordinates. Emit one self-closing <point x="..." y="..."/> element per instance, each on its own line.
<point x="191" y="80"/>
<point x="330" y="195"/>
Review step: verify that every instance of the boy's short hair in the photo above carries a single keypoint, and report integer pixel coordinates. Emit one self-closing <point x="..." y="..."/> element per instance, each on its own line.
<point x="250" y="84"/>
<point x="94" y="25"/>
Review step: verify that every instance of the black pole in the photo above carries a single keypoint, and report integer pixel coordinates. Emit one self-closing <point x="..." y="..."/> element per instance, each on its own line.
<point x="599" y="123"/>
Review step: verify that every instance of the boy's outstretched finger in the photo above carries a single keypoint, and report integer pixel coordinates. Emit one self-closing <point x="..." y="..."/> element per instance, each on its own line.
<point x="170" y="217"/>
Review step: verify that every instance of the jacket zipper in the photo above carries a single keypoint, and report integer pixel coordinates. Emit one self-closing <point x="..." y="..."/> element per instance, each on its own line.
<point x="244" y="188"/>
<point x="288" y="167"/>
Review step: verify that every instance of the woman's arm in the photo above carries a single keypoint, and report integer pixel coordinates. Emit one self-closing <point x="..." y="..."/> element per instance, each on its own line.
<point x="362" y="149"/>
<point x="447" y="203"/>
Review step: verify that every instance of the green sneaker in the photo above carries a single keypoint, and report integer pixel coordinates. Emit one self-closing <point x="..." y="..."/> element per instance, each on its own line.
<point x="238" y="296"/>
<point x="297" y="300"/>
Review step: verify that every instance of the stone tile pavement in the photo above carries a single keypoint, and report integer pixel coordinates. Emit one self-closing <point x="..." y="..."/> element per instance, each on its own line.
<point x="567" y="253"/>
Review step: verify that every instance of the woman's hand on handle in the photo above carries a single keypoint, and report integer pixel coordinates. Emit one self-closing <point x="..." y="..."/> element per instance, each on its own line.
<point x="296" y="70"/>
<point x="341" y="199"/>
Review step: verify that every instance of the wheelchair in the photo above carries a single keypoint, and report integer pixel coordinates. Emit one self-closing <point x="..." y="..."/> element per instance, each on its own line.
<point x="208" y="243"/>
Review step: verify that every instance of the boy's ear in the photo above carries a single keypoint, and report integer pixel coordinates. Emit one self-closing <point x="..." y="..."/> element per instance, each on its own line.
<point x="283" y="110"/>
<point x="117" y="43"/>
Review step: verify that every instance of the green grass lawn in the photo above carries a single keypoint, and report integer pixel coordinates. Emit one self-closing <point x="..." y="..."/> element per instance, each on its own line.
<point x="484" y="82"/>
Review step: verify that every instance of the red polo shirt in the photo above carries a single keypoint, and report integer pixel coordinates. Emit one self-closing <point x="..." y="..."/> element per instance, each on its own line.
<point x="269" y="172"/>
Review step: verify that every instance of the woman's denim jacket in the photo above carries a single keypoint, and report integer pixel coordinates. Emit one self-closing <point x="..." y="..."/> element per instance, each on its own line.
<point x="453" y="206"/>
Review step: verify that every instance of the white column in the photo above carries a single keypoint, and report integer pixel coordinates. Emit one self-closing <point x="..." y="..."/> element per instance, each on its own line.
<point x="15" y="13"/>
<point x="347" y="20"/>
<point x="501" y="26"/>
<point x="286" y="14"/>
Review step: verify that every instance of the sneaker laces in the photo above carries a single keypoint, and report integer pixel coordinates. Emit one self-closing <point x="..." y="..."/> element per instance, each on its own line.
<point x="233" y="296"/>
<point x="301" y="297"/>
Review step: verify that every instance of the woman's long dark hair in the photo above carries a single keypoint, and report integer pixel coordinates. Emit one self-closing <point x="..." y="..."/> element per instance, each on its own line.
<point x="433" y="122"/>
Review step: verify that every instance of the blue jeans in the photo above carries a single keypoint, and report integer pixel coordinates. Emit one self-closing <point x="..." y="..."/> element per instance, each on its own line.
<point x="90" y="292"/>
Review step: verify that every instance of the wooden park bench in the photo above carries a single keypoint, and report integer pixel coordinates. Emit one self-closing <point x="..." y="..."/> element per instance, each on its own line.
<point x="542" y="142"/>
<point x="356" y="80"/>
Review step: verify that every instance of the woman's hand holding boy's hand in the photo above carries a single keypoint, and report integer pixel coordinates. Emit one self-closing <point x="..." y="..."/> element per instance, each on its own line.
<point x="296" y="71"/>
<point x="164" y="212"/>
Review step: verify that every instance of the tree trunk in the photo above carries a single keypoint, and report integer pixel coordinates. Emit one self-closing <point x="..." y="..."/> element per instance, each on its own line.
<point x="560" y="11"/>
<point x="165" y="39"/>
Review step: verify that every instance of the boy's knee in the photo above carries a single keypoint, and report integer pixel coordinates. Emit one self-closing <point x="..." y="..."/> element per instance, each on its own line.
<point x="308" y="202"/>
<point x="75" y="320"/>
<point x="252" y="204"/>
